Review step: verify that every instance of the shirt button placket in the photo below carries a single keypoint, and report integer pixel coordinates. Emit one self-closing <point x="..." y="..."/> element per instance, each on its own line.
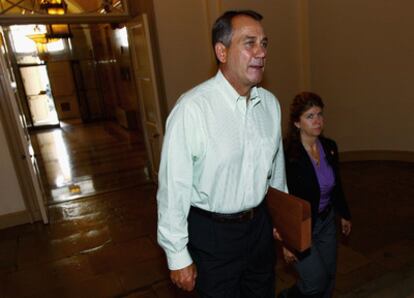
<point x="249" y="150"/>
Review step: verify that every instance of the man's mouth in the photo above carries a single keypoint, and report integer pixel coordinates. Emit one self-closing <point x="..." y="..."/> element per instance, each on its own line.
<point x="257" y="66"/>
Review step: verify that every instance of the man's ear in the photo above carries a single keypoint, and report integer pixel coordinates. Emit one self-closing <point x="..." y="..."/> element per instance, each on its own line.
<point x="221" y="52"/>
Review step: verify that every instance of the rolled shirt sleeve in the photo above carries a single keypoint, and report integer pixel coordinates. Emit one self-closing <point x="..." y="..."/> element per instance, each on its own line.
<point x="175" y="183"/>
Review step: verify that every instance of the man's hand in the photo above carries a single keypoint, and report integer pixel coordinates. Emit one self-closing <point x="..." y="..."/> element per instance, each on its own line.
<point x="184" y="278"/>
<point x="346" y="226"/>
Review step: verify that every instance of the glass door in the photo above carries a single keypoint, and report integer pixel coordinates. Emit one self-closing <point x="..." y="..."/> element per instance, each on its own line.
<point x="39" y="95"/>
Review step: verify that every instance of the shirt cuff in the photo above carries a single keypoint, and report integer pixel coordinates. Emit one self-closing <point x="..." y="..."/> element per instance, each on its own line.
<point x="179" y="260"/>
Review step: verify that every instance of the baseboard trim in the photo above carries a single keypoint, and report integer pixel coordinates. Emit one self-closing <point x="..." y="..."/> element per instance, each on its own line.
<point x="407" y="156"/>
<point x="14" y="219"/>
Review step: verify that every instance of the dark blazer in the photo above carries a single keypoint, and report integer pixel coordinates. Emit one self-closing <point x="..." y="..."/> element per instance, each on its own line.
<point x="303" y="182"/>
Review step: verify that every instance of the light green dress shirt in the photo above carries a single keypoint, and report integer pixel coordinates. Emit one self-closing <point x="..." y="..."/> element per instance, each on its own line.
<point x="219" y="154"/>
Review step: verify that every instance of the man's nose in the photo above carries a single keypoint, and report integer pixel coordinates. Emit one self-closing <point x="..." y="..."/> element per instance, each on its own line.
<point x="261" y="51"/>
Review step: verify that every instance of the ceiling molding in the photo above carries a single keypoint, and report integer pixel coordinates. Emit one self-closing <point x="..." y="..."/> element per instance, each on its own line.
<point x="78" y="14"/>
<point x="66" y="19"/>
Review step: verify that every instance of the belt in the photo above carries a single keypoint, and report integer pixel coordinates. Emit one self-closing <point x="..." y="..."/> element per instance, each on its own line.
<point x="238" y="217"/>
<point x="324" y="214"/>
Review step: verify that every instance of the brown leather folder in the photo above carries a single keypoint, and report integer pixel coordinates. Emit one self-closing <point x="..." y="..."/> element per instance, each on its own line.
<point x="292" y="218"/>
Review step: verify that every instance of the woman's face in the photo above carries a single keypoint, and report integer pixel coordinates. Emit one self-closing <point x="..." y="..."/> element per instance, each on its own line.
<point x="310" y="122"/>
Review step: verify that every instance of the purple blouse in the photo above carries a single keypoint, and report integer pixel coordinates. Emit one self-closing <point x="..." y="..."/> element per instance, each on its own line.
<point x="325" y="175"/>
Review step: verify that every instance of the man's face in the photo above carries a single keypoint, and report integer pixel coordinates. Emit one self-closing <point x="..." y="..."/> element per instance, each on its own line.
<point x="242" y="63"/>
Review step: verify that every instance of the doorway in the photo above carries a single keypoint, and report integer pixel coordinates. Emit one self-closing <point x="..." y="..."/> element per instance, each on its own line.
<point x="110" y="65"/>
<point x="39" y="96"/>
<point x="99" y="146"/>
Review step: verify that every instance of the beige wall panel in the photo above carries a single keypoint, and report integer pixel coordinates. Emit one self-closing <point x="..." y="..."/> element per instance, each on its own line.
<point x="11" y="196"/>
<point x="61" y="78"/>
<point x="63" y="89"/>
<point x="362" y="62"/>
<point x="184" y="43"/>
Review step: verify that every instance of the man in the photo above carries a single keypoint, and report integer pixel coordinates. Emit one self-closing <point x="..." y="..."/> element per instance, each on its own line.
<point x="222" y="149"/>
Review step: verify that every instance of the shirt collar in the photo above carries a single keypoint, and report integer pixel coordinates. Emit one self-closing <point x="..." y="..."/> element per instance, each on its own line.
<point x="231" y="95"/>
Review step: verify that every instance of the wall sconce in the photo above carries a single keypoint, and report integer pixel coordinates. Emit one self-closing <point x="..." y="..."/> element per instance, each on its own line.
<point x="56" y="7"/>
<point x="58" y="31"/>
<point x="41" y="40"/>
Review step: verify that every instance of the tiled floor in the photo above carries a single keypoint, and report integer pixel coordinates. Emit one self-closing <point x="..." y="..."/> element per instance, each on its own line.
<point x="105" y="246"/>
<point x="78" y="160"/>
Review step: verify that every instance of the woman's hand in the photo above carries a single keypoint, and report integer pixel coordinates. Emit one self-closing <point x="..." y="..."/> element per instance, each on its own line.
<point x="276" y="235"/>
<point x="289" y="256"/>
<point x="346" y="226"/>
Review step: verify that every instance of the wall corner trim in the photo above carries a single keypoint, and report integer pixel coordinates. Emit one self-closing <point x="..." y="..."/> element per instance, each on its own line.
<point x="15" y="219"/>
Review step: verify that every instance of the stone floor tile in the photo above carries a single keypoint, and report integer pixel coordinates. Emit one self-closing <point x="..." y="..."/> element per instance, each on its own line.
<point x="3" y="283"/>
<point x="117" y="256"/>
<point x="350" y="260"/>
<point x="143" y="275"/>
<point x="285" y="273"/>
<point x="40" y="278"/>
<point x="395" y="256"/>
<point x="122" y="231"/>
<point x="354" y="279"/>
<point x="142" y="294"/>
<point x="166" y="289"/>
<point x="282" y="284"/>
<point x="35" y="249"/>
<point x="393" y="284"/>
<point x="8" y="255"/>
<point x="102" y="285"/>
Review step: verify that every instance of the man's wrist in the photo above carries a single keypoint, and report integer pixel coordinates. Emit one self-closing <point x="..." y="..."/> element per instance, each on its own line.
<point x="179" y="260"/>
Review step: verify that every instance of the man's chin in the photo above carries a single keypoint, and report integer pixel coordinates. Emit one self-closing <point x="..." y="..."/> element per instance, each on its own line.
<point x="256" y="80"/>
<point x="256" y="77"/>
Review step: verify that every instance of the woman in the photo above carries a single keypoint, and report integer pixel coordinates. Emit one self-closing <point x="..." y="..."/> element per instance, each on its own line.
<point x="312" y="174"/>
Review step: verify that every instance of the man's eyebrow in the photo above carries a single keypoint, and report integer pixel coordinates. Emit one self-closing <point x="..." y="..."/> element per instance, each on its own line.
<point x="250" y="37"/>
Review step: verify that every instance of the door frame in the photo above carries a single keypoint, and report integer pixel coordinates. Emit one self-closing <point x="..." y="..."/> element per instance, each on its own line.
<point x="142" y="20"/>
<point x="17" y="137"/>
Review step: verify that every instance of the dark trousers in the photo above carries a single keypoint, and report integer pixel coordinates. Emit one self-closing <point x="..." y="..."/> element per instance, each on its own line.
<point x="317" y="267"/>
<point x="233" y="260"/>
